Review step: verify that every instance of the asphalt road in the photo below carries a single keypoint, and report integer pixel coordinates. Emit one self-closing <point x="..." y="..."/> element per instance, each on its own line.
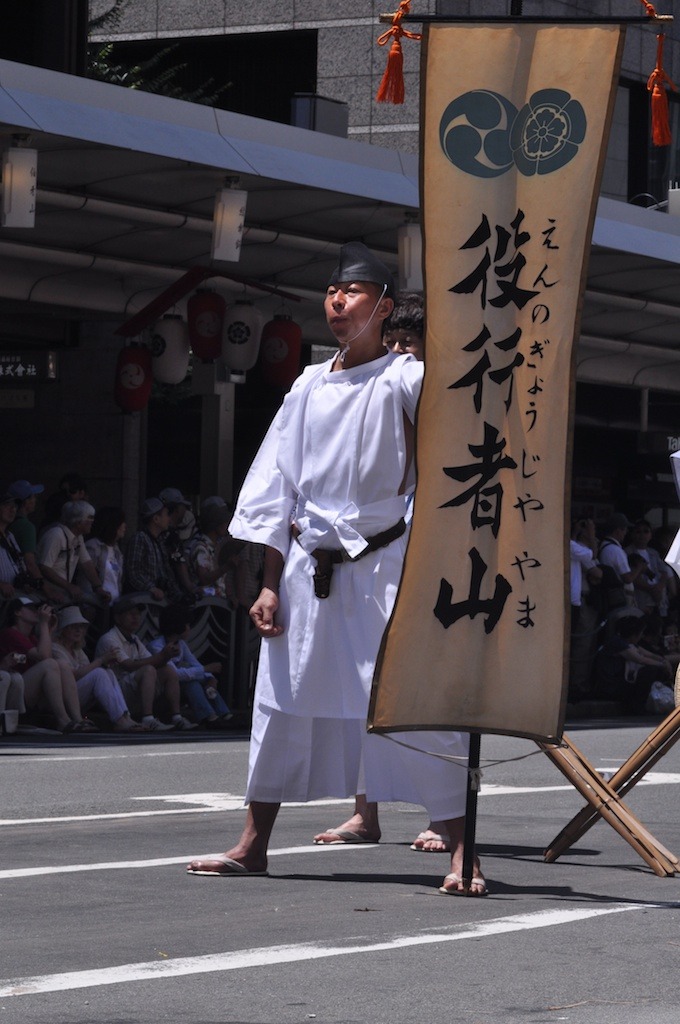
<point x="100" y="923"/>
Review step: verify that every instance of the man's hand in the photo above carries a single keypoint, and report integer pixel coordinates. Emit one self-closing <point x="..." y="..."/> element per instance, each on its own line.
<point x="108" y="657"/>
<point x="169" y="651"/>
<point x="263" y="613"/>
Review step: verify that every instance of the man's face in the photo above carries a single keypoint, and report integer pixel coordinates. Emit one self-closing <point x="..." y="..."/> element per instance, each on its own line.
<point x="640" y="535"/>
<point x="175" y="515"/>
<point x="162" y="519"/>
<point x="130" y="620"/>
<point x="402" y="342"/>
<point x="8" y="511"/>
<point x="350" y="305"/>
<point x="82" y="527"/>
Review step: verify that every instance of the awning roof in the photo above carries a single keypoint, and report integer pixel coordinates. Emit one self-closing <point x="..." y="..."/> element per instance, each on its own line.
<point x="126" y="189"/>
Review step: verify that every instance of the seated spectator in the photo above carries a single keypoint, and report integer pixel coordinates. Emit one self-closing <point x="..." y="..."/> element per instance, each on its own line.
<point x="96" y="683"/>
<point x="147" y="566"/>
<point x="180" y="530"/>
<point x="197" y="682"/>
<point x="143" y="676"/>
<point x="624" y="671"/>
<point x="61" y="551"/>
<point x="103" y="547"/>
<point x="213" y="573"/>
<point x="72" y="487"/>
<point x="27" y="634"/>
<point x="11" y="693"/>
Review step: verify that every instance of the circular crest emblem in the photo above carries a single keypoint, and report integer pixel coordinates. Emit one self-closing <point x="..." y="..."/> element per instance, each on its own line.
<point x="238" y="332"/>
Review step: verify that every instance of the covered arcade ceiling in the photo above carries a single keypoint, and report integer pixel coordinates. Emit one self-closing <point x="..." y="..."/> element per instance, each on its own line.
<point x="126" y="187"/>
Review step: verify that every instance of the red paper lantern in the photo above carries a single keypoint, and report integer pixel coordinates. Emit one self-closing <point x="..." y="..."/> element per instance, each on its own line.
<point x="205" y="316"/>
<point x="133" y="378"/>
<point x="280" y="351"/>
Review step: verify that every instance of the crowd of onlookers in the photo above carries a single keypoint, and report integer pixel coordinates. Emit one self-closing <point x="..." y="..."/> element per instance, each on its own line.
<point x="625" y="604"/>
<point x="74" y="592"/>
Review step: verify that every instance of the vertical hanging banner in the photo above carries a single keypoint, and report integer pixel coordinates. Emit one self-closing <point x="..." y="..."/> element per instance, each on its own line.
<point x="515" y="123"/>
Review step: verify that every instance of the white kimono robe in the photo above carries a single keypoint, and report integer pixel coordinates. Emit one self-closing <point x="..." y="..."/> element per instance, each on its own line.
<point x="334" y="462"/>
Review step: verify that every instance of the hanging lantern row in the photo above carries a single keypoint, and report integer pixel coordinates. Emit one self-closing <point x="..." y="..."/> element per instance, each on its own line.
<point x="214" y="332"/>
<point x="235" y="335"/>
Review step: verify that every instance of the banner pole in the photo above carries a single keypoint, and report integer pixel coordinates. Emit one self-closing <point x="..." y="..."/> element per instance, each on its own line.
<point x="471" y="810"/>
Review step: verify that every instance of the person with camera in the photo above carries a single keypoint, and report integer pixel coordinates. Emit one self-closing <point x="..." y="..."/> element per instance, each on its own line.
<point x="27" y="638"/>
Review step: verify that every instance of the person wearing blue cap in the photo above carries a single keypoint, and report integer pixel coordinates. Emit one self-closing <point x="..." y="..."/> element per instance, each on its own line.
<point x="327" y="495"/>
<point x="23" y="529"/>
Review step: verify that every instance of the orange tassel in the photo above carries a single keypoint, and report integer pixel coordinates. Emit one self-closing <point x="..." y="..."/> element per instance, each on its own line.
<point x="661" y="130"/>
<point x="391" y="88"/>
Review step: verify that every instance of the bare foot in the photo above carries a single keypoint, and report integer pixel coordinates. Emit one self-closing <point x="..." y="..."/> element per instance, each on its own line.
<point x="356" y="829"/>
<point x="249" y="861"/>
<point x="453" y="884"/>
<point x="430" y="841"/>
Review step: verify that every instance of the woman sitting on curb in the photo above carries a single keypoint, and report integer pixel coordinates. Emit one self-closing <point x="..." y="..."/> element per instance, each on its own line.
<point x="95" y="682"/>
<point x="27" y="634"/>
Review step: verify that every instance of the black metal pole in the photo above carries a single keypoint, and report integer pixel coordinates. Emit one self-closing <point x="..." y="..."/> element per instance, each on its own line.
<point x="471" y="811"/>
<point x="516" y="8"/>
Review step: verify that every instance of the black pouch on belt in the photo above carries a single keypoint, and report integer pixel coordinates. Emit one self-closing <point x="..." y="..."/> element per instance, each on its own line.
<point x="323" y="573"/>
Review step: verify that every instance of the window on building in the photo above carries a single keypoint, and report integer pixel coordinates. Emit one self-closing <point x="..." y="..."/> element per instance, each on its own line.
<point x="256" y="74"/>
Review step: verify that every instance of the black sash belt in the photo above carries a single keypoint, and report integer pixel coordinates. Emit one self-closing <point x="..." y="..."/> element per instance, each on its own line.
<point x="326" y="558"/>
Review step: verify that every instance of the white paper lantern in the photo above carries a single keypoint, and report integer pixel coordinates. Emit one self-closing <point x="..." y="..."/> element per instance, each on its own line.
<point x="170" y="350"/>
<point x="241" y="339"/>
<point x="410" y="249"/>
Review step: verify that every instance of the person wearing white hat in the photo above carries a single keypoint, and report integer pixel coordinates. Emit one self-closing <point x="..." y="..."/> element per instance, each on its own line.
<point x="96" y="683"/>
<point x="61" y="552"/>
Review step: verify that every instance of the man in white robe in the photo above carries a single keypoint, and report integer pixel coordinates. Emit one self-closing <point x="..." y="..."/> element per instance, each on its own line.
<point x="326" y="495"/>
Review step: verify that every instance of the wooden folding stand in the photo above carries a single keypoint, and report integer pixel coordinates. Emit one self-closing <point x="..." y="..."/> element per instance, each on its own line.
<point x="604" y="797"/>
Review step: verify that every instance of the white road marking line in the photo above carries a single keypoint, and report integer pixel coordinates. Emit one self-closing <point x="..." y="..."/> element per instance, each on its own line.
<point x="266" y="956"/>
<point x="209" y="803"/>
<point x="69" y="869"/>
<point x="37" y="758"/>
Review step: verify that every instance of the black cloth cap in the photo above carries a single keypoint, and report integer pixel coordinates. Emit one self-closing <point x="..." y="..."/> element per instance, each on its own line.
<point x="357" y="263"/>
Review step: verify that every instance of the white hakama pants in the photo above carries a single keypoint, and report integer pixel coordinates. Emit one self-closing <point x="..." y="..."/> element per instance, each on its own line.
<point x="295" y="759"/>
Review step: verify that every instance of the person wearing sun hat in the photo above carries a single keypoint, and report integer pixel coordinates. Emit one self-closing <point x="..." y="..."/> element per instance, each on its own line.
<point x="327" y="494"/>
<point x="96" y="683"/>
